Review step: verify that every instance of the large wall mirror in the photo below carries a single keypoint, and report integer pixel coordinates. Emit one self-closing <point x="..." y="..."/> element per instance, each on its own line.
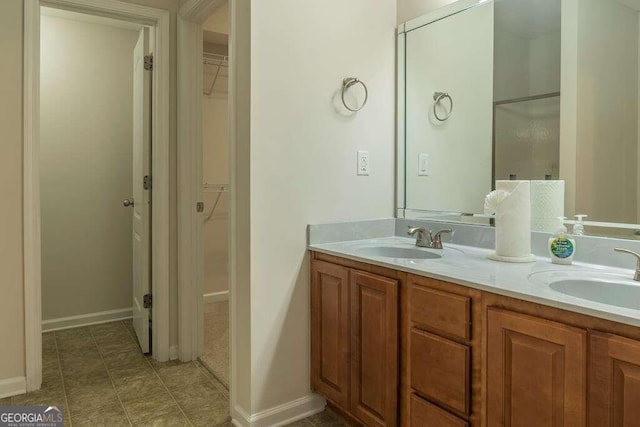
<point x="521" y="89"/>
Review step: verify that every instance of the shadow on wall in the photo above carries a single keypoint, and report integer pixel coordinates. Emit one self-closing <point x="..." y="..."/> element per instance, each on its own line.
<point x="287" y="339"/>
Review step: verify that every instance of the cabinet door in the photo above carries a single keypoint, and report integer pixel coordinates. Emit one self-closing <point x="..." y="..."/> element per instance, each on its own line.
<point x="536" y="371"/>
<point x="330" y="332"/>
<point x="614" y="397"/>
<point x="374" y="349"/>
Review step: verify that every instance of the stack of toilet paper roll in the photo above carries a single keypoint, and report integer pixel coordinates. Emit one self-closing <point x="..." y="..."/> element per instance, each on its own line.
<point x="547" y="205"/>
<point x="511" y="204"/>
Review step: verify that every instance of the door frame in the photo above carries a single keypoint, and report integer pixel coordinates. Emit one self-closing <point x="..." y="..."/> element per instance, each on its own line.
<point x="160" y="118"/>
<point x="191" y="16"/>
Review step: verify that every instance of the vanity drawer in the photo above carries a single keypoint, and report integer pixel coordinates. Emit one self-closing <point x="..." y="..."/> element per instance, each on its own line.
<point x="425" y="414"/>
<point x="440" y="370"/>
<point x="440" y="311"/>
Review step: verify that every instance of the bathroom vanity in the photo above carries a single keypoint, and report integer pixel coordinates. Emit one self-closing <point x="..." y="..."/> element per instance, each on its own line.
<point x="459" y="340"/>
<point x="487" y="91"/>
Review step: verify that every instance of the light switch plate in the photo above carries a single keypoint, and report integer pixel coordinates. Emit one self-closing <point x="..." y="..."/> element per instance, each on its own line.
<point x="423" y="164"/>
<point x="363" y="163"/>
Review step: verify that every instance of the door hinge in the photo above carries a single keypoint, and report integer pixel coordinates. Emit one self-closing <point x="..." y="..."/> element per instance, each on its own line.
<point x="146" y="182"/>
<point x="147" y="301"/>
<point x="200" y="207"/>
<point x="148" y="62"/>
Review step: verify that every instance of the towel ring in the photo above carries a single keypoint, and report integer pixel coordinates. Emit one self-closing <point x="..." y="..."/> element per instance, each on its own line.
<point x="437" y="97"/>
<point x="346" y="84"/>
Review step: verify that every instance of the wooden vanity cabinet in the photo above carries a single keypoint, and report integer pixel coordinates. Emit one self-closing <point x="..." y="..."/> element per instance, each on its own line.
<point x="330" y="336"/>
<point x="354" y="341"/>
<point x="441" y="378"/>
<point x="614" y="389"/>
<point x="536" y="371"/>
<point x="390" y="348"/>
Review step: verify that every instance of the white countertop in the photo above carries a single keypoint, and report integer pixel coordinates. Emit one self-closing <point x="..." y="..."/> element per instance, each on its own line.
<point x="469" y="266"/>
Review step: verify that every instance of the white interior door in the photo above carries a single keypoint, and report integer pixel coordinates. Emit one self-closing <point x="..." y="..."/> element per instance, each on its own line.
<point x="141" y="202"/>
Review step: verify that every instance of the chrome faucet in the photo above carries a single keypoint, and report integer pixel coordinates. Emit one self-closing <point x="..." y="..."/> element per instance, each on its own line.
<point x="425" y="239"/>
<point x="637" y="255"/>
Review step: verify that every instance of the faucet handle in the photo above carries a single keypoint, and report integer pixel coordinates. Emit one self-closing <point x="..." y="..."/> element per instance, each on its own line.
<point x="438" y="235"/>
<point x="637" y="255"/>
<point x="437" y="238"/>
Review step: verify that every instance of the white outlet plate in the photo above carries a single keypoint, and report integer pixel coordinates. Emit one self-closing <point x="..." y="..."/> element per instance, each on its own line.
<point x="423" y="164"/>
<point x="363" y="163"/>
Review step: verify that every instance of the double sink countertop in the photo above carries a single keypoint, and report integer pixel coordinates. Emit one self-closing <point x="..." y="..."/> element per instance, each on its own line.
<point x="469" y="266"/>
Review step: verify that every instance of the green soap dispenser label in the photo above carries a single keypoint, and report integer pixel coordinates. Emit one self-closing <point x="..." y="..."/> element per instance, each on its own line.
<point x="562" y="247"/>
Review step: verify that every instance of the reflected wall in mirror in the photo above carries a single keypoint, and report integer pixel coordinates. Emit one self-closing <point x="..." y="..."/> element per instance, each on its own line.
<point x="540" y="89"/>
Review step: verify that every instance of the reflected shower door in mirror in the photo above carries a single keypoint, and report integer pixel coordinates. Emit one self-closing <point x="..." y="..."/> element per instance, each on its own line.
<point x="535" y="89"/>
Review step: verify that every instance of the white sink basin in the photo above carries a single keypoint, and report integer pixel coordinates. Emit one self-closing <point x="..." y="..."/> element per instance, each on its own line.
<point x="611" y="289"/>
<point x="398" y="252"/>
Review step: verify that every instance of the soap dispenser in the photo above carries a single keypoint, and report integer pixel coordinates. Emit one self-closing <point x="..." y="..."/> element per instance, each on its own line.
<point x="578" y="227"/>
<point x="561" y="246"/>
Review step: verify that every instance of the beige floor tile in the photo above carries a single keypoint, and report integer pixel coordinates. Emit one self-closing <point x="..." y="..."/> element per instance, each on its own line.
<point x="150" y="405"/>
<point x="119" y="347"/>
<point x="73" y="338"/>
<point x="77" y="348"/>
<point x="52" y="397"/>
<point x="121" y="372"/>
<point x="109" y="415"/>
<point x="106" y="328"/>
<point x="173" y="419"/>
<point x="48" y="338"/>
<point x="51" y="382"/>
<point x="132" y="387"/>
<point x="79" y="368"/>
<point x="207" y="417"/>
<point x="124" y="360"/>
<point x="88" y="397"/>
<point x="194" y="397"/>
<point x="301" y="423"/>
<point x="72" y="334"/>
<point x="186" y="374"/>
<point x="326" y="419"/>
<point x="95" y="378"/>
<point x="116" y="337"/>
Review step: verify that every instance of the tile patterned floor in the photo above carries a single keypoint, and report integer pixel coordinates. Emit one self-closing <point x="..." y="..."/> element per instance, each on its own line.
<point x="100" y="376"/>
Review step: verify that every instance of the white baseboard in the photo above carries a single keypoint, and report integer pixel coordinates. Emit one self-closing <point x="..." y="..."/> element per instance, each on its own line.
<point x="86" y="319"/>
<point x="280" y="415"/>
<point x="216" y="297"/>
<point x="13" y="386"/>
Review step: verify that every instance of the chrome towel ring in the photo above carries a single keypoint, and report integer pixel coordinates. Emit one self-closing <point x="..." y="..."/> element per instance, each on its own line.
<point x="437" y="97"/>
<point x="346" y="84"/>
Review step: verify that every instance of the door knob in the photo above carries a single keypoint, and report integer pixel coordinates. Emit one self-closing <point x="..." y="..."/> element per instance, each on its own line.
<point x="127" y="203"/>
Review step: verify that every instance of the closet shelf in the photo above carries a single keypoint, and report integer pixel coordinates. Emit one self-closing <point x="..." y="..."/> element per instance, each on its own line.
<point x="220" y="64"/>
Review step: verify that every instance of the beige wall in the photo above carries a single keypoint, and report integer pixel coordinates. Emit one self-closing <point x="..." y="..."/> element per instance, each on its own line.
<point x="11" y="275"/>
<point x="86" y="166"/>
<point x="215" y="171"/>
<point x="410" y="9"/>
<point x="303" y="163"/>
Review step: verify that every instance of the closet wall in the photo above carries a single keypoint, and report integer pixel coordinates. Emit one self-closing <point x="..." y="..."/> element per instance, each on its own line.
<point x="215" y="155"/>
<point x="216" y="175"/>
